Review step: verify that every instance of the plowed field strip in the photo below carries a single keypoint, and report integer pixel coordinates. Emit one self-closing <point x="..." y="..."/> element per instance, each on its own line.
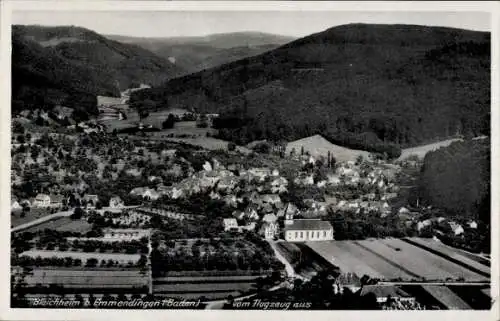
<point x="388" y="261"/>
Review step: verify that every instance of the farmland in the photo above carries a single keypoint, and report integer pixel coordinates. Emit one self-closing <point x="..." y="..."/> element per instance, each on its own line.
<point x="33" y="214"/>
<point x="62" y="224"/>
<point x="83" y="255"/>
<point x="211" y="287"/>
<point x="84" y="280"/>
<point x="393" y="259"/>
<point x="209" y="143"/>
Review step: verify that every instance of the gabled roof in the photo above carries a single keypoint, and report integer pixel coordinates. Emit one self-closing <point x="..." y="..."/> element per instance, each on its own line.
<point x="56" y="198"/>
<point x="310" y="224"/>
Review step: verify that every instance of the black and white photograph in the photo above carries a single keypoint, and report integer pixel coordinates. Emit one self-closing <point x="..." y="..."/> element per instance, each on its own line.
<point x="290" y="160"/>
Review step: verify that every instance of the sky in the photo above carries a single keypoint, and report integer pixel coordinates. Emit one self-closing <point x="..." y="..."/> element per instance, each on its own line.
<point x="199" y="23"/>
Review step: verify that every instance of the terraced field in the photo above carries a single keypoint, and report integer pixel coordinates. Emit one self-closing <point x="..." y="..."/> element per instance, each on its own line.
<point x="394" y="259"/>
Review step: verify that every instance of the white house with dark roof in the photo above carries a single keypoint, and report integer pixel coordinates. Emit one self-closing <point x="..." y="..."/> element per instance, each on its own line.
<point x="42" y="200"/>
<point x="306" y="230"/>
<point x="230" y="224"/>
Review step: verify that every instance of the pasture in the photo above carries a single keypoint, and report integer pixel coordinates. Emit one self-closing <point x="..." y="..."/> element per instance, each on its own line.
<point x="421" y="151"/>
<point x="62" y="224"/>
<point x="33" y="214"/>
<point x="393" y="259"/>
<point x="209" y="143"/>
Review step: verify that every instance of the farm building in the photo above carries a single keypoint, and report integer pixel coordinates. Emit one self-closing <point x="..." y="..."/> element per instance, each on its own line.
<point x="42" y="200"/>
<point x="307" y="230"/>
<point x="317" y="146"/>
<point x="230" y="224"/>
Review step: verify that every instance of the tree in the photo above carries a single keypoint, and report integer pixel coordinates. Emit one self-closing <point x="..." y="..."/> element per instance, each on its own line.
<point x="202" y="121"/>
<point x="77" y="214"/>
<point x="231" y="146"/>
<point x="169" y="122"/>
<point x="92" y="262"/>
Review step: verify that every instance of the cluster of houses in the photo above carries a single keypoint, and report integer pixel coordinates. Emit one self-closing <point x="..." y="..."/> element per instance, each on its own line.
<point x="56" y="201"/>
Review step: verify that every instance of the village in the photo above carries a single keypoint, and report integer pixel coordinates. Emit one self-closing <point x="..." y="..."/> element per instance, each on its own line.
<point x="88" y="202"/>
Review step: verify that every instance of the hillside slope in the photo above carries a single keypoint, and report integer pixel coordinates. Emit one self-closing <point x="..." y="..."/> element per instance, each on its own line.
<point x="193" y="54"/>
<point x="356" y="84"/>
<point x="53" y="63"/>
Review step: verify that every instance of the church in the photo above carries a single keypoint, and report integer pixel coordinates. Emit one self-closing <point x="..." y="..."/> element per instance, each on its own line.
<point x="306" y="230"/>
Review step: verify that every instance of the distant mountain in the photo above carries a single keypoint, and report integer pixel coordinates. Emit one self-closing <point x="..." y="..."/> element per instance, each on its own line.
<point x="50" y="64"/>
<point x="359" y="85"/>
<point x="197" y="53"/>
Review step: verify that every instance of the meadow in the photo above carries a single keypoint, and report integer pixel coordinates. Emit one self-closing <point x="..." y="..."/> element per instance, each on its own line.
<point x="62" y="224"/>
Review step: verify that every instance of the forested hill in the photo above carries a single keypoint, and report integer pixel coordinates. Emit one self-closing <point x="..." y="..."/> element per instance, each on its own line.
<point x="54" y="64"/>
<point x="457" y="178"/>
<point x="193" y="54"/>
<point x="357" y="84"/>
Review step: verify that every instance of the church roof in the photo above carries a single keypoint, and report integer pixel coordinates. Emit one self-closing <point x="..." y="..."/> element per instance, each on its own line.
<point x="309" y="225"/>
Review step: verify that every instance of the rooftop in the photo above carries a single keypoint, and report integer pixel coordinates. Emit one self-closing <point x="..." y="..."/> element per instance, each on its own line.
<point x="310" y="224"/>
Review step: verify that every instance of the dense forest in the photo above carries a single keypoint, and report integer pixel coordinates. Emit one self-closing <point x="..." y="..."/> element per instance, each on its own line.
<point x="362" y="85"/>
<point x="71" y="65"/>
<point x="457" y="179"/>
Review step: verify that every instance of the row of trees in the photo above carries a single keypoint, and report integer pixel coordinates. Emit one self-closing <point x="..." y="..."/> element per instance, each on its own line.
<point x="27" y="261"/>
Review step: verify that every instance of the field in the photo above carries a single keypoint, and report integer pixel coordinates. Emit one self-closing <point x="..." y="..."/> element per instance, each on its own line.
<point x="33" y="214"/>
<point x="446" y="297"/>
<point x="214" y="287"/>
<point x="421" y="151"/>
<point x="393" y="259"/>
<point x="180" y="128"/>
<point x="155" y="118"/>
<point x="318" y="146"/>
<point x="209" y="143"/>
<point x="470" y="260"/>
<point x="62" y="224"/>
<point x="79" y="278"/>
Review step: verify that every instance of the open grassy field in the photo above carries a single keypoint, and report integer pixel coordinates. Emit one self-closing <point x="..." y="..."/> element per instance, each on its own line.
<point x="86" y="278"/>
<point x="391" y="259"/>
<point x="421" y="151"/>
<point x="318" y="146"/>
<point x="33" y="214"/>
<point x="209" y="143"/>
<point x="62" y="224"/>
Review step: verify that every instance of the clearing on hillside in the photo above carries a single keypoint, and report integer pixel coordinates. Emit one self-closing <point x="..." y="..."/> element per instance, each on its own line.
<point x="317" y="146"/>
<point x="421" y="151"/>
